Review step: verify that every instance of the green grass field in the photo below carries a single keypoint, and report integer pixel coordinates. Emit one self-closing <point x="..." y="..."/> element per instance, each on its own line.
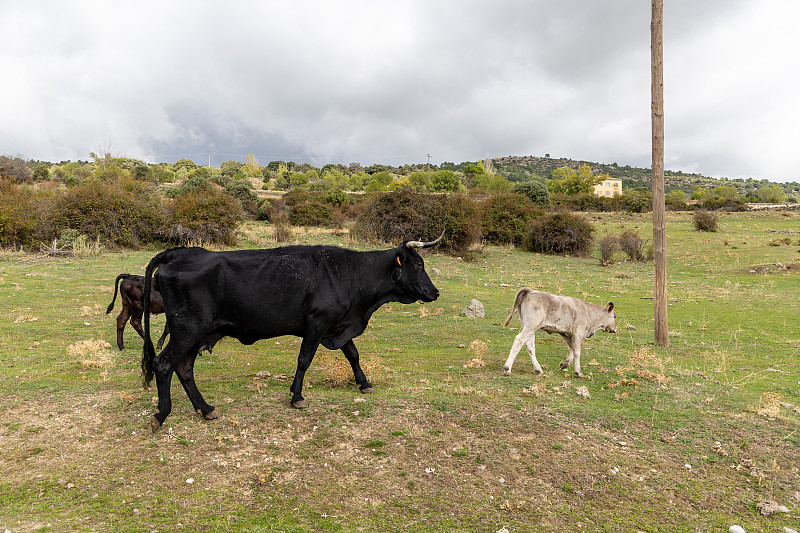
<point x="689" y="437"/>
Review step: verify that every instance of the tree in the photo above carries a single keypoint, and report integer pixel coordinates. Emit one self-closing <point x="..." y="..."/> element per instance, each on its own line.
<point x="379" y="182"/>
<point x="420" y="181"/>
<point x="251" y="163"/>
<point x="186" y="164"/>
<point x="535" y="190"/>
<point x="772" y="194"/>
<point x="14" y="169"/>
<point x="497" y="184"/>
<point x="445" y="181"/>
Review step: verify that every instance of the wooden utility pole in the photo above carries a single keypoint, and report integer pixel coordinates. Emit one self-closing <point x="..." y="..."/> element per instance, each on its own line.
<point x="659" y="224"/>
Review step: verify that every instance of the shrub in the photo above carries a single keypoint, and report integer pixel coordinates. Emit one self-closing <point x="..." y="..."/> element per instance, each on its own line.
<point x="535" y="190"/>
<point x="243" y="191"/>
<point x="121" y="212"/>
<point x="560" y="233"/>
<point x="505" y="218"/>
<point x="608" y="246"/>
<point x="336" y="197"/>
<point x="407" y="215"/>
<point x="17" y="215"/>
<point x="310" y="213"/>
<point x="705" y="220"/>
<point x="632" y="245"/>
<point x="209" y="217"/>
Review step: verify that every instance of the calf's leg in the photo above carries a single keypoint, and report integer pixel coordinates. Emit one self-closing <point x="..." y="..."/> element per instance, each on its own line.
<point x="574" y="356"/>
<point x="163" y="336"/>
<point x="520" y="340"/>
<point x="121" y="320"/>
<point x="531" y="346"/>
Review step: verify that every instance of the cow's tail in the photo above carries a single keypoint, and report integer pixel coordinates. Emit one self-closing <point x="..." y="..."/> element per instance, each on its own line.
<point x="149" y="351"/>
<point x="518" y="299"/>
<point x="116" y="285"/>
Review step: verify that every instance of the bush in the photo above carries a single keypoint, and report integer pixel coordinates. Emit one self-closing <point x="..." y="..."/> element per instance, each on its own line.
<point x="705" y="220"/>
<point x="633" y="245"/>
<point x="17" y="215"/>
<point x="121" y="212"/>
<point x="536" y="191"/>
<point x="243" y="191"/>
<point x="506" y="217"/>
<point x="336" y="197"/>
<point x="203" y="216"/>
<point x="560" y="233"/>
<point x="407" y="215"/>
<point x="310" y="213"/>
<point x="608" y="246"/>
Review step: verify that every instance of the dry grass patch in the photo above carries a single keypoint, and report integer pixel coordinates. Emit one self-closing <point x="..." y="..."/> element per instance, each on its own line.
<point x="92" y="353"/>
<point x="478" y="348"/>
<point x="337" y="369"/>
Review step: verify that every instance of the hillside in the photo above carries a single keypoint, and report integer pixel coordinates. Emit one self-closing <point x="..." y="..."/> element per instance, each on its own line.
<point x="524" y="168"/>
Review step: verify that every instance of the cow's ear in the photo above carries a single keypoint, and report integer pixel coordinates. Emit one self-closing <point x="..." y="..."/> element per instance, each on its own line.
<point x="610" y="307"/>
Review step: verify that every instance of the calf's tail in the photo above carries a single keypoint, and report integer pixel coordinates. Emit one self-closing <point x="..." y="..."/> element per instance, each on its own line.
<point x="518" y="299"/>
<point x="149" y="351"/>
<point x="116" y="284"/>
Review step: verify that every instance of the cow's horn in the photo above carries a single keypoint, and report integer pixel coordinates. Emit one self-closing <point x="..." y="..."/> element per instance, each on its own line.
<point x="420" y="244"/>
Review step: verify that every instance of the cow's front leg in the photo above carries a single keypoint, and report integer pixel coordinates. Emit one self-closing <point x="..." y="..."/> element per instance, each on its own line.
<point x="351" y="353"/>
<point x="577" y="355"/>
<point x="519" y="341"/>
<point x="573" y="357"/>
<point x="307" y="350"/>
<point x="185" y="371"/>
<point x="565" y="364"/>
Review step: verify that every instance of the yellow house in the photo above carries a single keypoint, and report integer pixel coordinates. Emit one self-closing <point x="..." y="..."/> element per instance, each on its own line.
<point x="609" y="187"/>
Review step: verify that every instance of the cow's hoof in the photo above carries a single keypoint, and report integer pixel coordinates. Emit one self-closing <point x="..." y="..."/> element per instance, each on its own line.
<point x="506" y="371"/>
<point x="538" y="372"/>
<point x="213" y="415"/>
<point x="155" y="425"/>
<point x="564" y="365"/>
<point x="367" y="390"/>
<point x="580" y="375"/>
<point x="300" y="404"/>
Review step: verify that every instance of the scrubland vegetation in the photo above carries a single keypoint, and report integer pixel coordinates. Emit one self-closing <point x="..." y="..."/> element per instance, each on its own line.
<point x="690" y="437"/>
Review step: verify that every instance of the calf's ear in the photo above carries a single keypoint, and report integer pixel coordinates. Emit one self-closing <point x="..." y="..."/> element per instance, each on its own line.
<point x="610" y="307"/>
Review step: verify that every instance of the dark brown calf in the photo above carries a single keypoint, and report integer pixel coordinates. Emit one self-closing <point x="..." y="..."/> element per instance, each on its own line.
<point x="131" y="291"/>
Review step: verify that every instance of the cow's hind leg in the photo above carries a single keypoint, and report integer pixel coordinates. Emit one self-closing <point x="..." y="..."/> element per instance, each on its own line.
<point x="185" y="371"/>
<point x="163" y="368"/>
<point x="123" y="317"/>
<point x="519" y="341"/>
<point x="531" y="347"/>
<point x="351" y="353"/>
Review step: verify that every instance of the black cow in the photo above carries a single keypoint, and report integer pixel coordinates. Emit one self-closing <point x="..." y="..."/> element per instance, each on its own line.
<point x="131" y="292"/>
<point x="324" y="294"/>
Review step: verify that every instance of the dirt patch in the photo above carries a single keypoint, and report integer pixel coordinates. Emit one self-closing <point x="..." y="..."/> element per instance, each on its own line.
<point x="374" y="462"/>
<point x="774" y="268"/>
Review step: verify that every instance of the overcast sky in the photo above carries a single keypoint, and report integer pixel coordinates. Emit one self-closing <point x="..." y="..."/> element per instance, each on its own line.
<point x="395" y="82"/>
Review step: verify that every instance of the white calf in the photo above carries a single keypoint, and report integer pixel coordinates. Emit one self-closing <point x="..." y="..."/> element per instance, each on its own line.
<point x="572" y="318"/>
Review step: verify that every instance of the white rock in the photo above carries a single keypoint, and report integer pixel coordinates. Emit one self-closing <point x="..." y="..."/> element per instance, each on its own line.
<point x="736" y="529"/>
<point x="474" y="310"/>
